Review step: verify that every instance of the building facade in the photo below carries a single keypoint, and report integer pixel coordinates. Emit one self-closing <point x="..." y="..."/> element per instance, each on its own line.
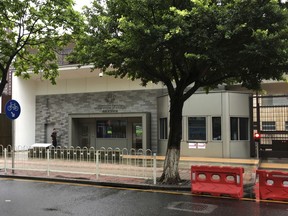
<point x="214" y="125"/>
<point x="89" y="110"/>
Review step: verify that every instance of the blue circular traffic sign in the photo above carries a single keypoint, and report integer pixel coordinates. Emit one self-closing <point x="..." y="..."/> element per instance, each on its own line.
<point x="12" y="109"/>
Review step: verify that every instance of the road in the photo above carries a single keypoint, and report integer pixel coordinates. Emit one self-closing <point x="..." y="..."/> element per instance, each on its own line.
<point x="39" y="198"/>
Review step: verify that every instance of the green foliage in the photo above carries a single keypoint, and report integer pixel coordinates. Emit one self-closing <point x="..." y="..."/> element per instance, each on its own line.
<point x="31" y="33"/>
<point x="186" y="44"/>
<point x="200" y="43"/>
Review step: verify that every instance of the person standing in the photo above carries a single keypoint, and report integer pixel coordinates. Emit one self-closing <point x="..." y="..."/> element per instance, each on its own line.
<point x="54" y="137"/>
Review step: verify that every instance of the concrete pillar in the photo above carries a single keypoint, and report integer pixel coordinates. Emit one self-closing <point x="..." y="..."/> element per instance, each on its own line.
<point x="226" y="125"/>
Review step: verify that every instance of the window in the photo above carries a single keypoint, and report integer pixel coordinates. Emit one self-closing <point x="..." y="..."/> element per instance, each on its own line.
<point x="255" y="125"/>
<point x="197" y="128"/>
<point x="286" y="125"/>
<point x="280" y="101"/>
<point x="216" y="128"/>
<point x="234" y="128"/>
<point x="163" y="128"/>
<point x="274" y="101"/>
<point x="111" y="128"/>
<point x="268" y="126"/>
<point x="243" y="123"/>
<point x="239" y="128"/>
<point x="267" y="101"/>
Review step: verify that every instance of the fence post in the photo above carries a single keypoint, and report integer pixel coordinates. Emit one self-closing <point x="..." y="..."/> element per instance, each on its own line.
<point x="97" y="164"/>
<point x="257" y="149"/>
<point x="13" y="159"/>
<point x="5" y="160"/>
<point x="48" y="162"/>
<point x="154" y="168"/>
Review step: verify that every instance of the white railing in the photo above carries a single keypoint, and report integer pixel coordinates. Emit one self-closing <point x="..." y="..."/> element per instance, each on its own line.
<point x="140" y="164"/>
<point x="87" y="161"/>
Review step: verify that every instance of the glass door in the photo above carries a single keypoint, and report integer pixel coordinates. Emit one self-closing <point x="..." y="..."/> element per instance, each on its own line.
<point x="137" y="135"/>
<point x="84" y="136"/>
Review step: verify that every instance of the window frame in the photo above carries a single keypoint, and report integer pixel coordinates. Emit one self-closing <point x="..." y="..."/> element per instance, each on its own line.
<point x="206" y="129"/>
<point x="212" y="128"/>
<point x="239" y="128"/>
<point x="267" y="127"/>
<point x="113" y="132"/>
<point x="163" y="128"/>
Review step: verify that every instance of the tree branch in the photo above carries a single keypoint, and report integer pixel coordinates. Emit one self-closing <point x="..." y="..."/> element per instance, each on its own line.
<point x="2" y="68"/>
<point x="191" y="91"/>
<point x="174" y="68"/>
<point x="25" y="42"/>
<point x="153" y="14"/>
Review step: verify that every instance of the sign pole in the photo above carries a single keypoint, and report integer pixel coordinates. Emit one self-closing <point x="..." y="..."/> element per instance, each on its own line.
<point x="13" y="148"/>
<point x="13" y="110"/>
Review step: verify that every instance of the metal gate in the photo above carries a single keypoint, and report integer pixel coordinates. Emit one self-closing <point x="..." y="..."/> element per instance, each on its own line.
<point x="270" y="119"/>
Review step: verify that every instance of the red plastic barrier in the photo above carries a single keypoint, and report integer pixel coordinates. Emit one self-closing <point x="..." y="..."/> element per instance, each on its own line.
<point x="217" y="180"/>
<point x="272" y="185"/>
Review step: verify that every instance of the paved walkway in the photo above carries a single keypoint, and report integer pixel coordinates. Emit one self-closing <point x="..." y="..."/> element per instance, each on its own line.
<point x="107" y="180"/>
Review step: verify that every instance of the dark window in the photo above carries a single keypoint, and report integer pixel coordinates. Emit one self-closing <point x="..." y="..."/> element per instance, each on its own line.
<point x="268" y="126"/>
<point x="255" y="125"/>
<point x="163" y="128"/>
<point x="239" y="128"/>
<point x="243" y="128"/>
<point x="197" y="128"/>
<point x="286" y="125"/>
<point x="216" y="128"/>
<point x="111" y="128"/>
<point x="234" y="128"/>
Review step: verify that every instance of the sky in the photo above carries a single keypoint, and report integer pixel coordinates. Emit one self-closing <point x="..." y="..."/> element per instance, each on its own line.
<point x="80" y="3"/>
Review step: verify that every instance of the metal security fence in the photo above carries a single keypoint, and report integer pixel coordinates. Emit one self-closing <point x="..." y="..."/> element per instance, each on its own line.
<point x="92" y="164"/>
<point x="105" y="164"/>
<point x="88" y="161"/>
<point x="270" y="119"/>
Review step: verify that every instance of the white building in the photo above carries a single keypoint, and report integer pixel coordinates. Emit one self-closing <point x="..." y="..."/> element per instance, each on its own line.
<point x="95" y="111"/>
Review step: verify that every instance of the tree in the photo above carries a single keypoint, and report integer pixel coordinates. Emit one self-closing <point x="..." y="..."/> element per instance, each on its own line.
<point x="31" y="34"/>
<point x="186" y="45"/>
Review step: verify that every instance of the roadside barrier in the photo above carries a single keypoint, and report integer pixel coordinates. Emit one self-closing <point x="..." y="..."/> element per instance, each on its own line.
<point x="272" y="185"/>
<point x="133" y="163"/>
<point x="217" y="180"/>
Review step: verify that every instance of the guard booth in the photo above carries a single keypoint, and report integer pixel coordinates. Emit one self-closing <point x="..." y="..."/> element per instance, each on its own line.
<point x="270" y="119"/>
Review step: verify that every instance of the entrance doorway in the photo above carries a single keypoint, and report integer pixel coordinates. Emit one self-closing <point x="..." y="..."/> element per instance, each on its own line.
<point x="137" y="135"/>
<point x="86" y="133"/>
<point x="113" y="130"/>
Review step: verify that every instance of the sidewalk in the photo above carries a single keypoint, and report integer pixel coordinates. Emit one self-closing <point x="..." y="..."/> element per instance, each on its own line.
<point x="103" y="180"/>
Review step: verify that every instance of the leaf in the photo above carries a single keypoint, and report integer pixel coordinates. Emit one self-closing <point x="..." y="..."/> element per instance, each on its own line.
<point x="31" y="32"/>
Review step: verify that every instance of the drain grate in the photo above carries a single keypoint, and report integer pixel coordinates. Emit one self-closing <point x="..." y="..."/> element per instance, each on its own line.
<point x="192" y="207"/>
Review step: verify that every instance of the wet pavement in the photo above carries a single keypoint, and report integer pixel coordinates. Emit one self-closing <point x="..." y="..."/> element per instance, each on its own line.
<point x="21" y="197"/>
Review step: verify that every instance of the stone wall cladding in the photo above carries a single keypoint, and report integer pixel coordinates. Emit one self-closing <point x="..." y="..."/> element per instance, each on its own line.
<point x="55" y="109"/>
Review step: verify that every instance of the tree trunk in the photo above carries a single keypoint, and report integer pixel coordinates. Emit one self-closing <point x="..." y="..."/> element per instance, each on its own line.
<point x="170" y="173"/>
<point x="3" y="81"/>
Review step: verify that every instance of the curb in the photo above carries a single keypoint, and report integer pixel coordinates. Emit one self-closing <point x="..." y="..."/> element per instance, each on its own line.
<point x="101" y="183"/>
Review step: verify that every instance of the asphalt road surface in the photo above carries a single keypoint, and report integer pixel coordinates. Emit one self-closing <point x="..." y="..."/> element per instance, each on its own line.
<point x="38" y="198"/>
